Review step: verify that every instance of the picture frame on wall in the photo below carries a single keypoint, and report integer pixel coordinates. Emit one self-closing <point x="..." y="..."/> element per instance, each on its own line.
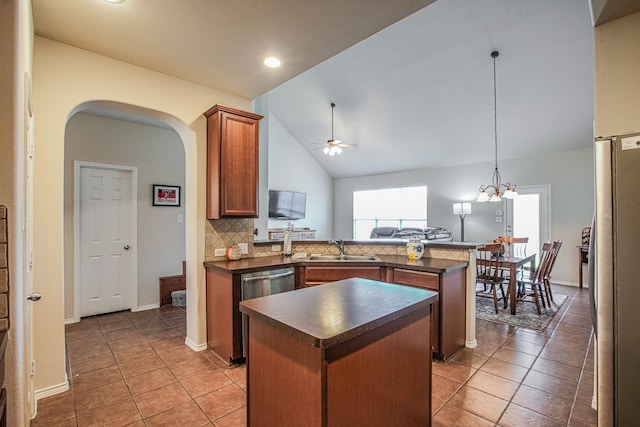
<point x="166" y="195"/>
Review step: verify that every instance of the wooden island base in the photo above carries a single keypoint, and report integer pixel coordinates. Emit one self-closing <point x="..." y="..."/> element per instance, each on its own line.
<point x="353" y="352"/>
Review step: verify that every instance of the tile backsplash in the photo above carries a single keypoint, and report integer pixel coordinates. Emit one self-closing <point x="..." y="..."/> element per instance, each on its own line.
<point x="220" y="233"/>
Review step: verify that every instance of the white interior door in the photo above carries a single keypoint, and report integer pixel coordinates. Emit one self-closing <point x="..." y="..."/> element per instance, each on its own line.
<point x="528" y="215"/>
<point x="105" y="240"/>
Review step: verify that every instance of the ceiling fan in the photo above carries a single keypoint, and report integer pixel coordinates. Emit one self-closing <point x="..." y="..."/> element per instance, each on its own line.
<point x="333" y="146"/>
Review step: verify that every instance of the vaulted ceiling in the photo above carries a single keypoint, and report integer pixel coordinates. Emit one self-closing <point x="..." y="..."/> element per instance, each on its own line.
<point x="412" y="80"/>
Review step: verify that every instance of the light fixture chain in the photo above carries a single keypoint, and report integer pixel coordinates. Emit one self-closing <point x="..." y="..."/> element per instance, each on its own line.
<point x="495" y="111"/>
<point x="332" y="107"/>
<point x="497" y="185"/>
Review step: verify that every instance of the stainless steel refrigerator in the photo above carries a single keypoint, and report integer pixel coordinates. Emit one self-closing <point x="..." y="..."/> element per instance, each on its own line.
<point x="615" y="284"/>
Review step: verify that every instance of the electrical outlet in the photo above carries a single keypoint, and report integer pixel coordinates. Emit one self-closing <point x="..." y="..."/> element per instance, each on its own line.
<point x="220" y="252"/>
<point x="244" y="248"/>
<point x="498" y="219"/>
<point x="275" y="248"/>
<point x="180" y="218"/>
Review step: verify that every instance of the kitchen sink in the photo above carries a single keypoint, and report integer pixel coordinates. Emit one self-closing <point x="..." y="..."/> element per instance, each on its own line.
<point x="343" y="258"/>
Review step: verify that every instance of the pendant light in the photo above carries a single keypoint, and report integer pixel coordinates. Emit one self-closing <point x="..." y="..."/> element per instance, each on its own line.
<point x="496" y="190"/>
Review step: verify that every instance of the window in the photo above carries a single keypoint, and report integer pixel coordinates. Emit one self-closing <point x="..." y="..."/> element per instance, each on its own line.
<point x="389" y="207"/>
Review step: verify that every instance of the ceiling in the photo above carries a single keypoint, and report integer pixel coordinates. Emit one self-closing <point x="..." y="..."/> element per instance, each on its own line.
<point x="413" y="85"/>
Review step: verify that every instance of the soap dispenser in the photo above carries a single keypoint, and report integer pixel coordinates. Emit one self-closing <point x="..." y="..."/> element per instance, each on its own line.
<point x="287" y="240"/>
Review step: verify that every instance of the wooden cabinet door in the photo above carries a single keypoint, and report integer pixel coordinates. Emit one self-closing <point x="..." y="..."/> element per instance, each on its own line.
<point x="320" y="275"/>
<point x="429" y="281"/>
<point x="232" y="163"/>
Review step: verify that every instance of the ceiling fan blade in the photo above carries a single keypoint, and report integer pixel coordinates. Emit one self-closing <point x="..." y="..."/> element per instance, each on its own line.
<point x="342" y="144"/>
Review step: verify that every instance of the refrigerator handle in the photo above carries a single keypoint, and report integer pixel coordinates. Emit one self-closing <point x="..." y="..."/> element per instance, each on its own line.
<point x="591" y="274"/>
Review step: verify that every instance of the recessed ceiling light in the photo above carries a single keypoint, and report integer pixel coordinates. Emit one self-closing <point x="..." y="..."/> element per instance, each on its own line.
<point x="272" y="62"/>
<point x="113" y="1"/>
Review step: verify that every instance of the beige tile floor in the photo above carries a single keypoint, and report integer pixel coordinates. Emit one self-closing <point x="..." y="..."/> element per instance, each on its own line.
<point x="133" y="369"/>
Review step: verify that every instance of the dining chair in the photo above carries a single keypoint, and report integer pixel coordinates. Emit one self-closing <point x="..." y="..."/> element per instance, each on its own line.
<point x="489" y="274"/>
<point x="532" y="288"/>
<point x="515" y="246"/>
<point x="555" y="249"/>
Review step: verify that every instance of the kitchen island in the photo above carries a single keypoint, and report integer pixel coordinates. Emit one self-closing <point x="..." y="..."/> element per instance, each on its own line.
<point x="351" y="352"/>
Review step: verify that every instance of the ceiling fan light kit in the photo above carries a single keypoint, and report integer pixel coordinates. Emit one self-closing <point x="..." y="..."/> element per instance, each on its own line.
<point x="495" y="191"/>
<point x="334" y="146"/>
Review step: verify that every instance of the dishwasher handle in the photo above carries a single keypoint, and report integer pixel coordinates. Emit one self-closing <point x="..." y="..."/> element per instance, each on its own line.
<point x="266" y="276"/>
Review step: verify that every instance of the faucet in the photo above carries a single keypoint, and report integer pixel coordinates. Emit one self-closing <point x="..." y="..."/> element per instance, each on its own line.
<point x="338" y="244"/>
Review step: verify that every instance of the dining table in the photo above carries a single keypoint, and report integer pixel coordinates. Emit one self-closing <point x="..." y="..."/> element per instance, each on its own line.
<point x="512" y="264"/>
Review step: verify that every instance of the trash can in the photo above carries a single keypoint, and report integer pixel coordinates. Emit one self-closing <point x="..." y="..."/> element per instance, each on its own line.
<point x="179" y="298"/>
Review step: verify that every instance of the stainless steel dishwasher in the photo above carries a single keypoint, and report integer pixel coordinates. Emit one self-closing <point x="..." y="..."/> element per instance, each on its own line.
<point x="260" y="284"/>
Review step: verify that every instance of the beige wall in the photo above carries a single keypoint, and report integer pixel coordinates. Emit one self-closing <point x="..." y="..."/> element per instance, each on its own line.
<point x="617" y="85"/>
<point x="16" y="45"/>
<point x="569" y="173"/>
<point x="158" y="155"/>
<point x="66" y="80"/>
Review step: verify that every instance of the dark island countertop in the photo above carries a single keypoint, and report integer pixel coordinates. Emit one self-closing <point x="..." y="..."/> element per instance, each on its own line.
<point x="327" y="315"/>
<point x="248" y="265"/>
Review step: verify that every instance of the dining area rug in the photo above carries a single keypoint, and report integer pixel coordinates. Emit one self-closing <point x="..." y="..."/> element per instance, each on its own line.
<point x="526" y="314"/>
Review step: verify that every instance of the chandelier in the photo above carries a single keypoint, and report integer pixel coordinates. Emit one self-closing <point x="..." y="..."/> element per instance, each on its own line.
<point x="496" y="190"/>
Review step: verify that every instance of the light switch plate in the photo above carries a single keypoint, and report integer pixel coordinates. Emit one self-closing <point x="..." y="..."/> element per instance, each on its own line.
<point x="219" y="252"/>
<point x="498" y="219"/>
<point x="244" y="248"/>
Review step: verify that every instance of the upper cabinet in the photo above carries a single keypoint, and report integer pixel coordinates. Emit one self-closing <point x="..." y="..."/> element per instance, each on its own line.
<point x="232" y="163"/>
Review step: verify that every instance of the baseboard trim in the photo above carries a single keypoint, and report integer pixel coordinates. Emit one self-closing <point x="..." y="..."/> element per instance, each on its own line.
<point x="145" y="307"/>
<point x="50" y="391"/>
<point x="71" y="320"/>
<point x="193" y="346"/>
<point x="471" y="344"/>
<point x="563" y="282"/>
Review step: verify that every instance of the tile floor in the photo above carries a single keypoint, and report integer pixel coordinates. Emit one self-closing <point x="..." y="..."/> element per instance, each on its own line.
<point x="133" y="369"/>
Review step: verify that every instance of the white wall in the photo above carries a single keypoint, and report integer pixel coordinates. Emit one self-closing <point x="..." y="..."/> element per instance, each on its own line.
<point x="570" y="174"/>
<point x="291" y="168"/>
<point x="67" y="79"/>
<point x="158" y="154"/>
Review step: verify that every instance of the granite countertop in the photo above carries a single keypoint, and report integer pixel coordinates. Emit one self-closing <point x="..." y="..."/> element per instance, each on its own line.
<point x="248" y="265"/>
<point x="400" y="242"/>
<point x="325" y="316"/>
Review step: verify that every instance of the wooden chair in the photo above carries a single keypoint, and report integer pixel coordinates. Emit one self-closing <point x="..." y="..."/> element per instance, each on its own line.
<point x="489" y="274"/>
<point x="585" y="236"/>
<point x="514" y="246"/>
<point x="532" y="288"/>
<point x="555" y="249"/>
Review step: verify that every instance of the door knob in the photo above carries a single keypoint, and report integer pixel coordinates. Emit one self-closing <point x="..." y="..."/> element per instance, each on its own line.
<point x="35" y="296"/>
<point x="126" y="247"/>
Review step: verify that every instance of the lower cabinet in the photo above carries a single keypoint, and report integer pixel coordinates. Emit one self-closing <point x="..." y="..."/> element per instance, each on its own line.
<point x="318" y="275"/>
<point x="224" y="320"/>
<point x="448" y="318"/>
